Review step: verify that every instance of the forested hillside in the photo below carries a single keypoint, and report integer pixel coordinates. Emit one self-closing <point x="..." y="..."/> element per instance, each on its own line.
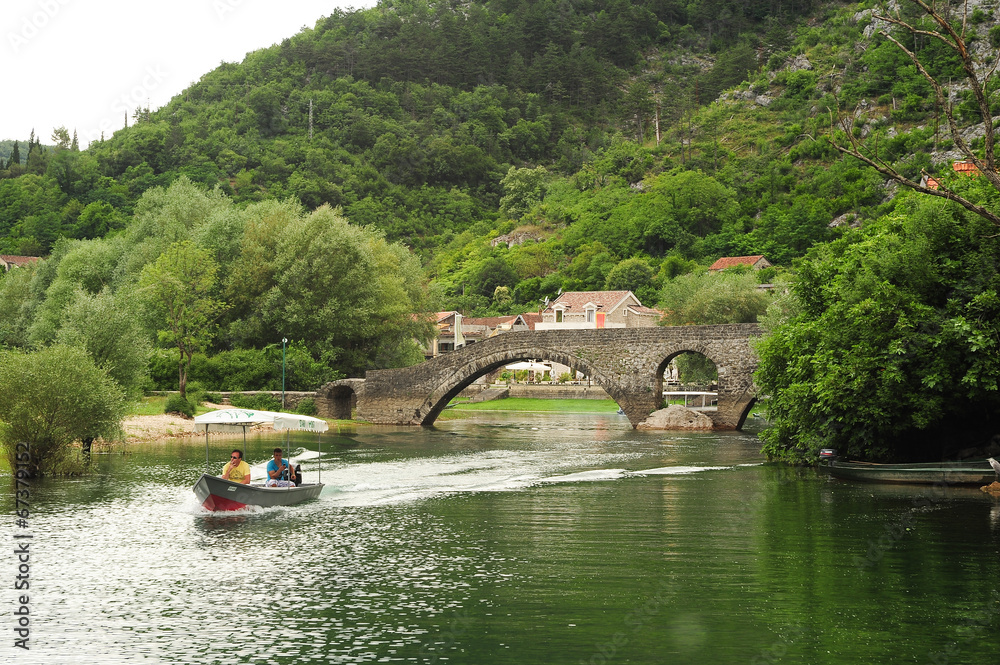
<point x="534" y="146"/>
<point x="410" y="115"/>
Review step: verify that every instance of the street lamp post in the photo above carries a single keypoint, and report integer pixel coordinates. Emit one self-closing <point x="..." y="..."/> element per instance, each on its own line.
<point x="284" y="340"/>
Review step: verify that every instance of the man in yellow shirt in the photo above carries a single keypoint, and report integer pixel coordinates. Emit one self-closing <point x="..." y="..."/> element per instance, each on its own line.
<point x="237" y="470"/>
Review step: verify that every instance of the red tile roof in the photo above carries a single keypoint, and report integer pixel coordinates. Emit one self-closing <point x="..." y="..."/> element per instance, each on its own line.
<point x="18" y="260"/>
<point x="489" y="321"/>
<point x="965" y="167"/>
<point x="640" y="309"/>
<point x="575" y="300"/>
<point x="531" y="318"/>
<point x="730" y="261"/>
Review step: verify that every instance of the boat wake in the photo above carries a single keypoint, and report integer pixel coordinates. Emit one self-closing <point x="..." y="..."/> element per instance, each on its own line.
<point x="379" y="483"/>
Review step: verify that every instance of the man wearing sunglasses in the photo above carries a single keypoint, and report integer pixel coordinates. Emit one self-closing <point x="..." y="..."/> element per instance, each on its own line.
<point x="237" y="470"/>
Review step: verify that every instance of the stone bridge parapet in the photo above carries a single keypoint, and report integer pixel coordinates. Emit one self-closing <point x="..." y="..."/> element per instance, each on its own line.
<point x="627" y="362"/>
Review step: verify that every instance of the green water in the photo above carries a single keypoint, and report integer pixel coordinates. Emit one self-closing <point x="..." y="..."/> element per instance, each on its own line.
<point x="519" y="538"/>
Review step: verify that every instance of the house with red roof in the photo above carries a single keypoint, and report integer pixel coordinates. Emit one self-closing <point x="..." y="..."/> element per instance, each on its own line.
<point x="756" y="262"/>
<point x="964" y="167"/>
<point x="597" y="309"/>
<point x="456" y="330"/>
<point x="8" y="261"/>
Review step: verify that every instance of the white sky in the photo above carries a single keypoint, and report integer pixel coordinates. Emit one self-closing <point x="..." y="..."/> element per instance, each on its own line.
<point x="82" y="63"/>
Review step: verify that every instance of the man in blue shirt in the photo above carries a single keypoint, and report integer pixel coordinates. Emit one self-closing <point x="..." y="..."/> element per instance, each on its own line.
<point x="279" y="472"/>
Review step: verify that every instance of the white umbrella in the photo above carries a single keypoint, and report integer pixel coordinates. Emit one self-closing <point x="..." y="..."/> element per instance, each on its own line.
<point x="229" y="420"/>
<point x="530" y="365"/>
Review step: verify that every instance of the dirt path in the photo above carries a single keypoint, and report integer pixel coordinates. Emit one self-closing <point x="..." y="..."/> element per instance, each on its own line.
<point x="162" y="427"/>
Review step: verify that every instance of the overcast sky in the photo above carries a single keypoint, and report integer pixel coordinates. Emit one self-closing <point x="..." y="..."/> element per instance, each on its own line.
<point x="82" y="63"/>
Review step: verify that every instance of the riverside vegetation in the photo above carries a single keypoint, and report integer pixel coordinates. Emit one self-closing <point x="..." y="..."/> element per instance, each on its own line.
<point x="481" y="157"/>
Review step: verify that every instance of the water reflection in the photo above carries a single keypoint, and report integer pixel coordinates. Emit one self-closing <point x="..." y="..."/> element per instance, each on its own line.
<point x="559" y="540"/>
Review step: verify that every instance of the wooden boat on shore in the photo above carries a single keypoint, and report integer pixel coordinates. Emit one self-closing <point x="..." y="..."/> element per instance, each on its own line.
<point x="973" y="472"/>
<point x="214" y="493"/>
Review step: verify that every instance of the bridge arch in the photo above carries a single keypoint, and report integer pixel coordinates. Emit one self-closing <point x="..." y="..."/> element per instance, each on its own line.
<point x="338" y="399"/>
<point x="730" y="376"/>
<point x="464" y="375"/>
<point x="674" y="350"/>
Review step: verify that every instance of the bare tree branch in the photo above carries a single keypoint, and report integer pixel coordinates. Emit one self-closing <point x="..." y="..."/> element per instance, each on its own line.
<point x="977" y="83"/>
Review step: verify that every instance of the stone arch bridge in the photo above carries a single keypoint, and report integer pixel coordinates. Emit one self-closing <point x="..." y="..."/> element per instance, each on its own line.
<point x="627" y="362"/>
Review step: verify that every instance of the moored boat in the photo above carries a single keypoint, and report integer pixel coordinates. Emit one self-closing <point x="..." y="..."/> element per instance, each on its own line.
<point x="214" y="493"/>
<point x="973" y="472"/>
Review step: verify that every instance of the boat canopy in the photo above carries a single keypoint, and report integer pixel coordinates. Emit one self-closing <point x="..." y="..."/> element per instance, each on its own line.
<point x="228" y="420"/>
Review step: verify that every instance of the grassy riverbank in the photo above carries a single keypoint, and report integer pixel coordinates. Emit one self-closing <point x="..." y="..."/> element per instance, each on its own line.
<point x="533" y="405"/>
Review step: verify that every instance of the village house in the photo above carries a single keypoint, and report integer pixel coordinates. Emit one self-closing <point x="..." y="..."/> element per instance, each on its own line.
<point x="756" y="262"/>
<point x="456" y="330"/>
<point x="8" y="261"/>
<point x="962" y="167"/>
<point x="582" y="310"/>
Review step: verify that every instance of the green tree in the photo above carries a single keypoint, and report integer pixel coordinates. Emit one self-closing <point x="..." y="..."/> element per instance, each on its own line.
<point x="60" y="138"/>
<point x="893" y="348"/>
<point x="180" y="287"/>
<point x="108" y="327"/>
<point x="50" y="398"/>
<point x="522" y="189"/>
<point x="705" y="299"/>
<point x="633" y="275"/>
<point x="345" y="292"/>
<point x="490" y="275"/>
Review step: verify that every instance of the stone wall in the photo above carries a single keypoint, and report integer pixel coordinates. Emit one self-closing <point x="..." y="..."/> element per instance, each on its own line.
<point x="556" y="391"/>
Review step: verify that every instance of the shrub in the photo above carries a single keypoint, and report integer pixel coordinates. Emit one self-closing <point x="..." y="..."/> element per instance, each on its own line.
<point x="195" y="392"/>
<point x="307" y="407"/>
<point x="259" y="401"/>
<point x="244" y="369"/>
<point x="50" y="398"/>
<point x="177" y="404"/>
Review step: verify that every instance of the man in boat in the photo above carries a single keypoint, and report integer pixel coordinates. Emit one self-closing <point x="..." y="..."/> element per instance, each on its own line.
<point x="279" y="472"/>
<point x="236" y="469"/>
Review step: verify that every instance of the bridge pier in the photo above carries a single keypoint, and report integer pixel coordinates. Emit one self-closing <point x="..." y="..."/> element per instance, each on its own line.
<point x="627" y="362"/>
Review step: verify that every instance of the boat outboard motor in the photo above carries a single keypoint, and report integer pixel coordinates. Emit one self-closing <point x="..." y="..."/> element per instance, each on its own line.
<point x="298" y="475"/>
<point x="828" y="455"/>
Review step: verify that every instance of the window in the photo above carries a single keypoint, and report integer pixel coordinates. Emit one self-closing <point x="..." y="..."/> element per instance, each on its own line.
<point x="590" y="316"/>
<point x="559" y="314"/>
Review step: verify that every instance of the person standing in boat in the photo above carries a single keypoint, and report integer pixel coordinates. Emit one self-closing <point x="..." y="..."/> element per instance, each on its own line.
<point x="236" y="469"/>
<point x="279" y="472"/>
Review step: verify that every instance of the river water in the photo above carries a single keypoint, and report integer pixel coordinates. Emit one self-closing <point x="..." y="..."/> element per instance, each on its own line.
<point x="527" y="538"/>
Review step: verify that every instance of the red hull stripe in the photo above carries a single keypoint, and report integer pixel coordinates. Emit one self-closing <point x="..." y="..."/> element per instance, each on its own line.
<point x="214" y="502"/>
